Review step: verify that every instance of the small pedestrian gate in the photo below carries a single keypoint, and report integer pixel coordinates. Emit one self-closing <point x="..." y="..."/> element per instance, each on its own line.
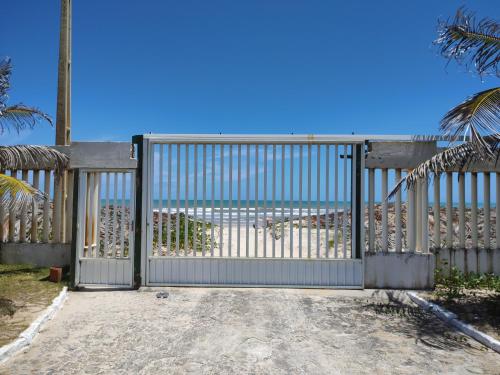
<point x="252" y="210"/>
<point x="104" y="233"/>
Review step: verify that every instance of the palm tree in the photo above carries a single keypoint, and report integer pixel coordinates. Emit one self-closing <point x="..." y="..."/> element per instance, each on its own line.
<point x="14" y="192"/>
<point x="474" y="125"/>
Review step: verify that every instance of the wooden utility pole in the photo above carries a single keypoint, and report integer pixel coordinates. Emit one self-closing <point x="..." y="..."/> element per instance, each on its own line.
<point x="63" y="182"/>
<point x="63" y="117"/>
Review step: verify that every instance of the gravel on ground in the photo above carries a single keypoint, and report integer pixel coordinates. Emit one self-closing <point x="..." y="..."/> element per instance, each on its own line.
<point x="258" y="331"/>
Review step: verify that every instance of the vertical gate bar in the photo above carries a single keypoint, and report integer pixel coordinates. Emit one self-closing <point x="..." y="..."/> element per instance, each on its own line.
<point x="238" y="235"/>
<point x="336" y="205"/>
<point x="84" y="195"/>
<point x="75" y="229"/>
<point x="291" y="220"/>
<point x="486" y="234"/>
<point x="301" y="164"/>
<point x="97" y="226"/>
<point x="354" y="202"/>
<point x="318" y="201"/>
<point x="150" y="160"/>
<point x="123" y="216"/>
<point x="436" y="212"/>
<point x="473" y="215"/>
<point x="229" y="233"/>
<point x="177" y="197"/>
<point x="247" y="192"/>
<point x="327" y="200"/>
<point x="204" y="203"/>
<point x="95" y="215"/>
<point x="408" y="199"/>
<point x="169" y="199"/>
<point x="371" y="209"/>
<point x="256" y="200"/>
<point x="160" y="202"/>
<point x="186" y="201"/>
<point x="344" y="213"/>
<point x="107" y="219"/>
<point x="221" y="214"/>
<point x="84" y="213"/>
<point x="12" y="215"/>
<point x="131" y="210"/>
<point x="90" y="206"/>
<point x="309" y="200"/>
<point x="360" y="197"/>
<point x="46" y="206"/>
<point x="449" y="215"/>
<point x="147" y="248"/>
<point x="265" y="202"/>
<point x="273" y="233"/>
<point x="195" y="200"/>
<point x="115" y="212"/>
<point x="282" y="200"/>
<point x="24" y="213"/>
<point x="497" y="209"/>
<point x="34" y="211"/>
<point x="461" y="210"/>
<point x="212" y="219"/>
<point x="425" y="216"/>
<point x="385" y="213"/>
<point x="2" y="215"/>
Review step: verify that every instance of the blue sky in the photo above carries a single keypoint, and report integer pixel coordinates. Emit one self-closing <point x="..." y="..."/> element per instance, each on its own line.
<point x="238" y="67"/>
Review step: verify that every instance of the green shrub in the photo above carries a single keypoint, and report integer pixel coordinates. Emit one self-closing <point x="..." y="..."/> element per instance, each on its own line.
<point x="194" y="230"/>
<point x="455" y="283"/>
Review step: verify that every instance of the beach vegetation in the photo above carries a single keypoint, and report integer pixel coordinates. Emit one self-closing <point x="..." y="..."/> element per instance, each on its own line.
<point x="194" y="230"/>
<point x="455" y="283"/>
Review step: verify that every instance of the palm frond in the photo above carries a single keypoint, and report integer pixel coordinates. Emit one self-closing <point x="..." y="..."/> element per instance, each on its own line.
<point x="21" y="117"/>
<point x="32" y="157"/>
<point x="478" y="116"/>
<point x="5" y="70"/>
<point x="454" y="157"/>
<point x="470" y="42"/>
<point x="16" y="193"/>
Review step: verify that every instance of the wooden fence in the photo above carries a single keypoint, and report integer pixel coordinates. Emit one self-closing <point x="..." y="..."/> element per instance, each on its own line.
<point x="41" y="221"/>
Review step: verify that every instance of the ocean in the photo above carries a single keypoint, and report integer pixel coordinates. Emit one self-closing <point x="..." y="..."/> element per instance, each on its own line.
<point x="255" y="213"/>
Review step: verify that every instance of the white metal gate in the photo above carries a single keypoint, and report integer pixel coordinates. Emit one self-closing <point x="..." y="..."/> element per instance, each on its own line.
<point x="252" y="210"/>
<point x="105" y="227"/>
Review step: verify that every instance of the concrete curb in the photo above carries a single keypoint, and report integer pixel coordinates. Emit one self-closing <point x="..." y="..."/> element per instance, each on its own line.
<point x="452" y="320"/>
<point x="27" y="336"/>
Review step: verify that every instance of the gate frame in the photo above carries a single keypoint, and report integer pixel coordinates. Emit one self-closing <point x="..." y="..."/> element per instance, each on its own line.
<point x="143" y="173"/>
<point x="74" y="270"/>
<point x="76" y="226"/>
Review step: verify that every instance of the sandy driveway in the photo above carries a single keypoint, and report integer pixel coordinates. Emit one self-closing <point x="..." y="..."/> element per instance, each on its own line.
<point x="234" y="331"/>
